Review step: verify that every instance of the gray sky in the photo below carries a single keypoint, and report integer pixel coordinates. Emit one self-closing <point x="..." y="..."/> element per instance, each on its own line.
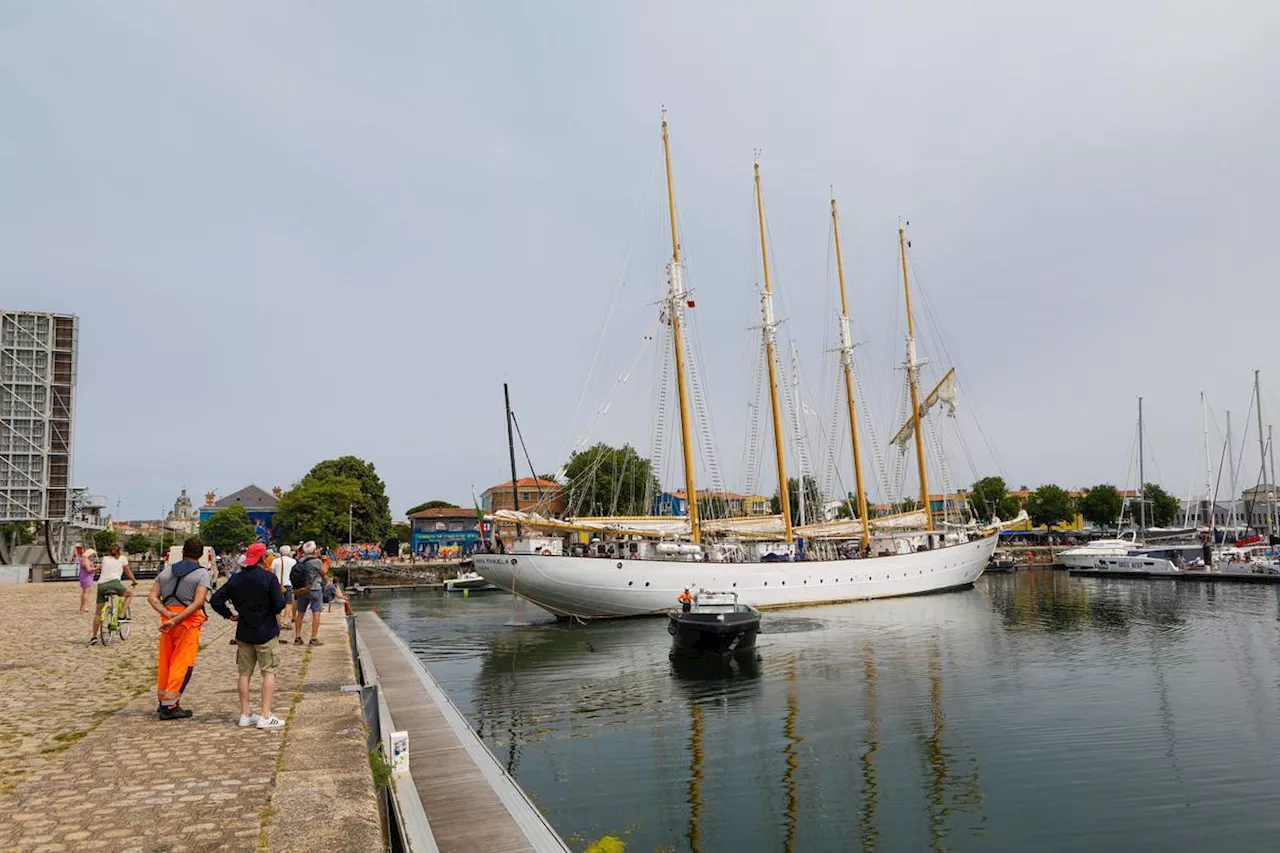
<point x="297" y="230"/>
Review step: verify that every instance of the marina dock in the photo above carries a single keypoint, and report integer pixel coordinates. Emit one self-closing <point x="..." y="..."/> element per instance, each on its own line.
<point x="1203" y="577"/>
<point x="467" y="800"/>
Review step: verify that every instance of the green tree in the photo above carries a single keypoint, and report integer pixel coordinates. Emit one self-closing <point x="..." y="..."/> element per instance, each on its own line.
<point x="104" y="539"/>
<point x="813" y="500"/>
<point x="1102" y="505"/>
<point x="1162" y="507"/>
<point x="371" y="511"/>
<point x="430" y="505"/>
<point x="549" y="477"/>
<point x="317" y="508"/>
<point x="137" y="544"/>
<point x="226" y="530"/>
<point x="990" y="498"/>
<point x="910" y="504"/>
<point x="403" y="532"/>
<point x="18" y="533"/>
<point x="1050" y="504"/>
<point x="606" y="480"/>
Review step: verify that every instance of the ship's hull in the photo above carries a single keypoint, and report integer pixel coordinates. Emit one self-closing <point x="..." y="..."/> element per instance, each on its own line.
<point x="594" y="588"/>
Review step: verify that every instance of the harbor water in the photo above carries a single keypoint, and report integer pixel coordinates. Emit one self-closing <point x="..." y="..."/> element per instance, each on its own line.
<point x="1036" y="711"/>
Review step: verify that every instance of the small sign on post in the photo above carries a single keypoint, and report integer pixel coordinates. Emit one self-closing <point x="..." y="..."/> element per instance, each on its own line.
<point x="399" y="752"/>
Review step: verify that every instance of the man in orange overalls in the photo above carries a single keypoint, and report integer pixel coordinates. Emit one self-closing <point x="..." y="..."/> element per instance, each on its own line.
<point x="178" y="596"/>
<point x="686" y="600"/>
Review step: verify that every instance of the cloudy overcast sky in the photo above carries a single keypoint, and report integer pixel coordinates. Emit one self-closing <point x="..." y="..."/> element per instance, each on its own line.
<point x="297" y="230"/>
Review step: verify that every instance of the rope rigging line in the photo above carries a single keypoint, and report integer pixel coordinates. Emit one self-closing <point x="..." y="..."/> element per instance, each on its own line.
<point x="642" y="214"/>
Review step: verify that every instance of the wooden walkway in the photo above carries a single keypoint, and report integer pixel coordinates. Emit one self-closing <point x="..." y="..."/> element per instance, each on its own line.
<point x="469" y="800"/>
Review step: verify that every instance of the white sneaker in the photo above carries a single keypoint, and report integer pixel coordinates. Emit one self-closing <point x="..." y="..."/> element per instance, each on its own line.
<point x="251" y="720"/>
<point x="272" y="722"/>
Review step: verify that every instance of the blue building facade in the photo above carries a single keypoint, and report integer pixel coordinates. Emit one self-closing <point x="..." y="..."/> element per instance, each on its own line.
<point x="446" y="532"/>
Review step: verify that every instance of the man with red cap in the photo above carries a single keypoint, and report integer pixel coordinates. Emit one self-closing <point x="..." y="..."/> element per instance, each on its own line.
<point x="255" y="593"/>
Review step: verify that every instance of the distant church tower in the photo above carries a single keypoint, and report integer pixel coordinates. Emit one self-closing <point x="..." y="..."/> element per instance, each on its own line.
<point x="182" y="518"/>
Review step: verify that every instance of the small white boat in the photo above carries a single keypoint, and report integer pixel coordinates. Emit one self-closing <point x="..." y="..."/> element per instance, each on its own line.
<point x="1086" y="556"/>
<point x="468" y="581"/>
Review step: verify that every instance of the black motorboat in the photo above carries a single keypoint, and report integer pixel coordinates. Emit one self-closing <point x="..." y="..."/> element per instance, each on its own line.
<point x="714" y="624"/>
<point x="1000" y="564"/>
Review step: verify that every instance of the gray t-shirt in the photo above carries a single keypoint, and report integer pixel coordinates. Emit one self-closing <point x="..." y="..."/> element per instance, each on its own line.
<point x="182" y="590"/>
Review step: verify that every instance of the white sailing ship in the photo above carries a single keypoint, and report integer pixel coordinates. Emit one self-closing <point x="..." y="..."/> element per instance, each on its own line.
<point x="637" y="566"/>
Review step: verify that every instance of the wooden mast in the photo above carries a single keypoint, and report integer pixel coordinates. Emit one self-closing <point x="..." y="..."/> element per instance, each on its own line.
<point x="675" y="312"/>
<point x="846" y="357"/>
<point x="766" y="303"/>
<point x="913" y="380"/>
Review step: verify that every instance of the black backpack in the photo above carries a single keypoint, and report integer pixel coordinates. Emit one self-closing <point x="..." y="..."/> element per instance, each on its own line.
<point x="298" y="578"/>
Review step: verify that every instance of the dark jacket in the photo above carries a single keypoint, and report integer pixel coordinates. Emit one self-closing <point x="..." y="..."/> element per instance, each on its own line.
<point x="257" y="598"/>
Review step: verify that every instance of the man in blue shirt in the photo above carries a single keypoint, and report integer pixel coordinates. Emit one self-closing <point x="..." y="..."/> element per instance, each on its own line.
<point x="255" y="593"/>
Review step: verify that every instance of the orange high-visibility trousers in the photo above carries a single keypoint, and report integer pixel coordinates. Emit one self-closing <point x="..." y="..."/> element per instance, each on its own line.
<point x="178" y="648"/>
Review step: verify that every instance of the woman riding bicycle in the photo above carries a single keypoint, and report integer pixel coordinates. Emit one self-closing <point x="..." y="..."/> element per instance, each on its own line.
<point x="113" y="566"/>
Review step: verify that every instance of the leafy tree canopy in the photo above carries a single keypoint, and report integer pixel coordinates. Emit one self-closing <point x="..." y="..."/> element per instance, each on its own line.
<point x="137" y="544"/>
<point x="1162" y="507"/>
<point x="1102" y="505"/>
<point x="22" y="534"/>
<point x="990" y="497"/>
<point x="103" y="540"/>
<point x="430" y="505"/>
<point x="1050" y="504"/>
<point x="317" y="509"/>
<point x="403" y="532"/>
<point x="813" y="500"/>
<point x="227" y="529"/>
<point x="550" y="477"/>
<point x="606" y="480"/>
<point x="371" y="515"/>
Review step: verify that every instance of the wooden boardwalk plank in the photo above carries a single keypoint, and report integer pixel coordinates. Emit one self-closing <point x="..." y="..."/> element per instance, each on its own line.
<point x="468" y="799"/>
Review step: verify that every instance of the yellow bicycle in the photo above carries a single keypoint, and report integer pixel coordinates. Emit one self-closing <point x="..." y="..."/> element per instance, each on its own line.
<point x="114" y="621"/>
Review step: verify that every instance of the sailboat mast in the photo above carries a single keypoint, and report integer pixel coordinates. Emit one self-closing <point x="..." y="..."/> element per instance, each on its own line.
<point x="846" y="358"/>
<point x="913" y="380"/>
<point x="771" y="356"/>
<point x="1262" y="444"/>
<point x="797" y="413"/>
<point x="1271" y="495"/>
<point x="1231" y="472"/>
<point x="675" y="311"/>
<point x="1208" y="466"/>
<point x="1142" y="475"/>
<point x="511" y="451"/>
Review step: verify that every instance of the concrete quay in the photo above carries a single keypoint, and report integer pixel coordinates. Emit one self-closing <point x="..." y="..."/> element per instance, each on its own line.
<point x="85" y="765"/>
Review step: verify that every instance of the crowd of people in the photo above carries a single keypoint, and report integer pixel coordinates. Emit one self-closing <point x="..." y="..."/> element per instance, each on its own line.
<point x="265" y="592"/>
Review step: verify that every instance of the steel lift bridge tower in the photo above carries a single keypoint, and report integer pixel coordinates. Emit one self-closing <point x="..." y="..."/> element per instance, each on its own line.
<point x="37" y="418"/>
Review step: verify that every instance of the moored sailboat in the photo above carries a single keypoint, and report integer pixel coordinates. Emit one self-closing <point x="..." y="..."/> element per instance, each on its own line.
<point x="638" y="566"/>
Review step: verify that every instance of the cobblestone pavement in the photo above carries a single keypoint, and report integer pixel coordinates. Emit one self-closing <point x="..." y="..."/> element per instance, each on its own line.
<point x="86" y="765"/>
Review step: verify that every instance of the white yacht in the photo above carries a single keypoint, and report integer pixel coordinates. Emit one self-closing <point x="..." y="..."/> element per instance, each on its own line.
<point x="1166" y="559"/>
<point x="1086" y="556"/>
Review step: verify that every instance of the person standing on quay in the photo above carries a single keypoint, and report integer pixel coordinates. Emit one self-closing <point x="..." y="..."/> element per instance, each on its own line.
<point x="86" y="578"/>
<point x="310" y="597"/>
<point x="283" y="566"/>
<point x="255" y="593"/>
<point x="178" y="596"/>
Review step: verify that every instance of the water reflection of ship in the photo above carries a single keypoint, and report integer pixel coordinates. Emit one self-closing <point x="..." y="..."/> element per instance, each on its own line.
<point x="945" y="795"/>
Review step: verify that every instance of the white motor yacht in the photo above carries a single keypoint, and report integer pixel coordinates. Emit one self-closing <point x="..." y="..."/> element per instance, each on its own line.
<point x="1086" y="556"/>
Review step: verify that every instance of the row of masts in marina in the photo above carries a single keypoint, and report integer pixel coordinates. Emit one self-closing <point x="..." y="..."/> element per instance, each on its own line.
<point x="1228" y="463"/>
<point x="676" y="300"/>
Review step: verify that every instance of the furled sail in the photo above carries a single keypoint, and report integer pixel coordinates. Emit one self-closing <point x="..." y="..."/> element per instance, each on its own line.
<point x="945" y="392"/>
<point x="851" y="528"/>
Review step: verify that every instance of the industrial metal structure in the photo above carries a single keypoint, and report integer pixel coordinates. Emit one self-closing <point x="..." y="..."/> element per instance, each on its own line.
<point x="38" y="353"/>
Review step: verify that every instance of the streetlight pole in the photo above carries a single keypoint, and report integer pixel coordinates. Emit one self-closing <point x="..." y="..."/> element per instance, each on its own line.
<point x="350" y="508"/>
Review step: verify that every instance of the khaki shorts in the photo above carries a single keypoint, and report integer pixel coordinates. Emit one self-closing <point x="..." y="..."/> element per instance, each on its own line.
<point x="263" y="656"/>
